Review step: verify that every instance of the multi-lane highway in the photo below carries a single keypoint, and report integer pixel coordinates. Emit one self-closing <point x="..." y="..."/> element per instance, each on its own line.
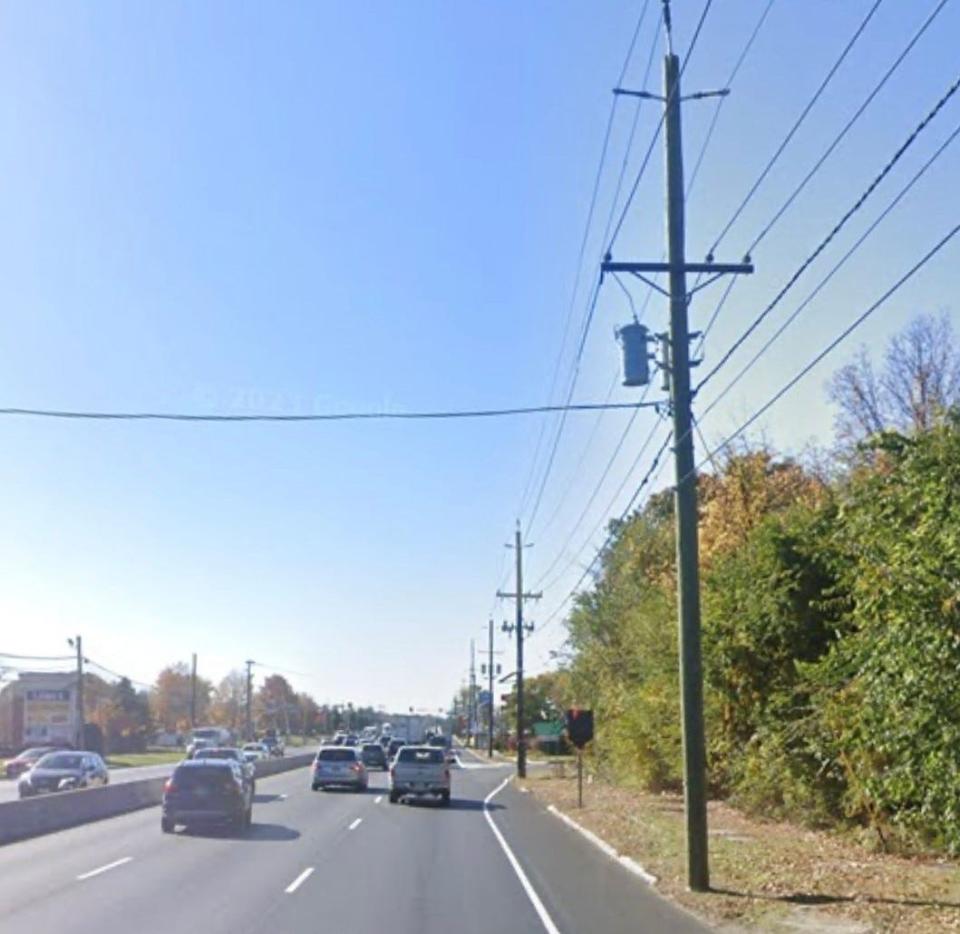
<point x="334" y="862"/>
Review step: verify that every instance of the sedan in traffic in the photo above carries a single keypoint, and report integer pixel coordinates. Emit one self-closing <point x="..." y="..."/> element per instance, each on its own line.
<point x="27" y="760"/>
<point x="207" y="791"/>
<point x="64" y="771"/>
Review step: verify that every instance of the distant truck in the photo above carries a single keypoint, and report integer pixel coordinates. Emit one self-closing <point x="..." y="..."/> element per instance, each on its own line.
<point x="206" y="737"/>
<point x="413" y="728"/>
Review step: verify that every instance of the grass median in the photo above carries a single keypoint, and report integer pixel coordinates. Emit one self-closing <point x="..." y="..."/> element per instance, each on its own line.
<point x="766" y="875"/>
<point x="131" y="760"/>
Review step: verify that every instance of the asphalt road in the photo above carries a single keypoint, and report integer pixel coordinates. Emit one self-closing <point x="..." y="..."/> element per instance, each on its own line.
<point x="335" y="861"/>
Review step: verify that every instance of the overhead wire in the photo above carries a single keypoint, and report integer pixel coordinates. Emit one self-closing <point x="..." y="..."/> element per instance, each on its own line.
<point x="836" y="268"/>
<point x="656" y="133"/>
<point x="596" y="490"/>
<point x="820" y="161"/>
<point x="778" y="152"/>
<point x="848" y="125"/>
<point x="323" y="417"/>
<point x="825" y="242"/>
<point x="846" y="332"/>
<point x="583" y="247"/>
<point x="649" y="477"/>
<point x="610" y="506"/>
<point x="589" y="312"/>
<point x="708" y="136"/>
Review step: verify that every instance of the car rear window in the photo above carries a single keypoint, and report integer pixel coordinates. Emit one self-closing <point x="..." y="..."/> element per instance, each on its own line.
<point x="371" y="747"/>
<point x="336" y="755"/>
<point x="214" y="776"/>
<point x="420" y="756"/>
<point x="215" y="754"/>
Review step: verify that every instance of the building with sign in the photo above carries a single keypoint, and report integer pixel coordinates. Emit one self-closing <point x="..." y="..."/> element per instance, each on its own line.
<point x="39" y="709"/>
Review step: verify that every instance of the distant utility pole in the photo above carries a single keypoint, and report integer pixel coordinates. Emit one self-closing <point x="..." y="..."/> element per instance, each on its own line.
<point x="248" y="730"/>
<point x="521" y="629"/>
<point x="472" y="697"/>
<point x="685" y="491"/>
<point x="490" y="692"/>
<point x="81" y="718"/>
<point x="193" y="692"/>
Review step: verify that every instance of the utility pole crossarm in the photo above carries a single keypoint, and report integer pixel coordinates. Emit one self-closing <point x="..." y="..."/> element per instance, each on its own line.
<point x="703" y="268"/>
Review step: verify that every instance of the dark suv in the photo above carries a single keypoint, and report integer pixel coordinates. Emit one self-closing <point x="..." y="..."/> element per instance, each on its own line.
<point x="207" y="791"/>
<point x="373" y="756"/>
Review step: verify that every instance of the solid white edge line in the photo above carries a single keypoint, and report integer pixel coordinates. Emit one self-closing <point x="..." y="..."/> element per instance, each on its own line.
<point x="355" y="824"/>
<point x="109" y="866"/>
<point x="538" y="906"/>
<point x="293" y="886"/>
<point x="378" y="799"/>
<point x="625" y="861"/>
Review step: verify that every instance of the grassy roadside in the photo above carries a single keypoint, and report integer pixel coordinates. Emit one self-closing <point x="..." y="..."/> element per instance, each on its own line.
<point x="129" y="760"/>
<point x="767" y="876"/>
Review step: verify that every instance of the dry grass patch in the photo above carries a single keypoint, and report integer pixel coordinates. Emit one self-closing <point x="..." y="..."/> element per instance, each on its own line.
<point x="767" y="875"/>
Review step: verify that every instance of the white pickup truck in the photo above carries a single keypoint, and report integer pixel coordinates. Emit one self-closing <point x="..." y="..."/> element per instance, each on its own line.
<point x="419" y="771"/>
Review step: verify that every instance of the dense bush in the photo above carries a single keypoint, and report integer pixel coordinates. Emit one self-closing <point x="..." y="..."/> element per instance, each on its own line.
<point x="831" y="628"/>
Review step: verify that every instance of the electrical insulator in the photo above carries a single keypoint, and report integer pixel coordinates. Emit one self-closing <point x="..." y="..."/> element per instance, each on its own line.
<point x="634" y="339"/>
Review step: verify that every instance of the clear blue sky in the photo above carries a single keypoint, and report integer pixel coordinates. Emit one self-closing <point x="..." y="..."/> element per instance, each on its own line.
<point x="304" y="207"/>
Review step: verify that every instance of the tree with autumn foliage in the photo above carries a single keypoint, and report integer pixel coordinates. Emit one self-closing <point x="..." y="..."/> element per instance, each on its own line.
<point x="170" y="698"/>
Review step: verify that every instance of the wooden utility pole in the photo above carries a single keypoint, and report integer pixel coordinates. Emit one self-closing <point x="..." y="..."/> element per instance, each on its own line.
<point x="521" y="629"/>
<point x="685" y="489"/>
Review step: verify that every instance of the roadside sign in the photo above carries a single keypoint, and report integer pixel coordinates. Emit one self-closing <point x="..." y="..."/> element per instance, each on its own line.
<point x="484" y="697"/>
<point x="579" y="726"/>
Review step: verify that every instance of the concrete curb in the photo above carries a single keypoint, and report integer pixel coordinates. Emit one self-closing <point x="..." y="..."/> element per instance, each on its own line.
<point x="629" y="864"/>
<point x="49" y="813"/>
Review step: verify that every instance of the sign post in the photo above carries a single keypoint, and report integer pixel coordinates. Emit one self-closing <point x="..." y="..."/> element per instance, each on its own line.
<point x="579" y="778"/>
<point x="580" y="731"/>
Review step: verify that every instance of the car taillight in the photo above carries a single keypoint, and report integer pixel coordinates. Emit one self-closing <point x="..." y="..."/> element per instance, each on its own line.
<point x="357" y="767"/>
<point x="446" y="773"/>
<point x="393" y="772"/>
<point x="169" y="785"/>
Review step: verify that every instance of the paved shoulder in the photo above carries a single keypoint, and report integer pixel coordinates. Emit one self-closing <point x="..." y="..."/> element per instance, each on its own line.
<point x="582" y="888"/>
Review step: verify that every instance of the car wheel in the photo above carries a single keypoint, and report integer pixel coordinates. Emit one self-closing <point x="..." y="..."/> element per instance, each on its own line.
<point x="248" y="817"/>
<point x="166" y="825"/>
<point x="315" y="787"/>
<point x="445" y="798"/>
<point x="394" y="797"/>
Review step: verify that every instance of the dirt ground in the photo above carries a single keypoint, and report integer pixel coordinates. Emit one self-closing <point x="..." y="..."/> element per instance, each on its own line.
<point x="765" y="875"/>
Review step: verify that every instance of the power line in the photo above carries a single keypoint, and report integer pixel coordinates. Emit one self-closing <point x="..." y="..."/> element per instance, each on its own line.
<point x="42" y="658"/>
<point x="847" y="126"/>
<point x="588" y="446"/>
<point x="597" y="487"/>
<point x="591" y="307"/>
<point x="606" y="512"/>
<point x="720" y="100"/>
<point x="858" y="204"/>
<point x="648" y="478"/>
<point x="583" y="247"/>
<point x="324" y="417"/>
<point x="659" y="127"/>
<point x="796" y="126"/>
<point x="826" y="279"/>
<point x="117" y="675"/>
<point x="835" y="342"/>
